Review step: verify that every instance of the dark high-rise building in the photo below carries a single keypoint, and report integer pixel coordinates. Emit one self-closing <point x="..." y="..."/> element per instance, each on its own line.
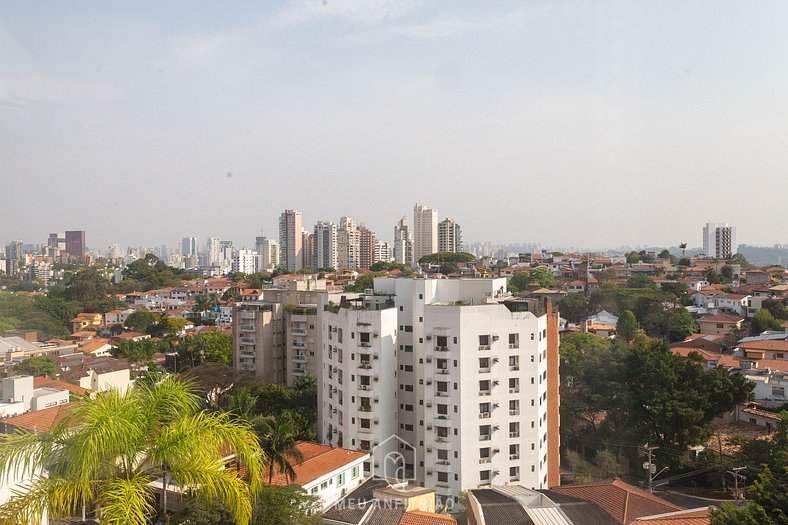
<point x="75" y="243"/>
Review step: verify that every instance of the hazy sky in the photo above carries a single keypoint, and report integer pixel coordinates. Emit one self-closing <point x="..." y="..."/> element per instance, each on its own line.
<point x="568" y="123"/>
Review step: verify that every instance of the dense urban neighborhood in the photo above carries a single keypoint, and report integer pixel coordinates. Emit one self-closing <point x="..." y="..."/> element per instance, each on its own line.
<point x="328" y="376"/>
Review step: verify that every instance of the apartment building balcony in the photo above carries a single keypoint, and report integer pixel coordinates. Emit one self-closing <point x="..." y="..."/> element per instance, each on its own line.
<point x="365" y="344"/>
<point x="484" y="347"/>
<point x="485" y="437"/>
<point x="363" y="430"/>
<point x="365" y="387"/>
<point x="483" y="461"/>
<point x="442" y="371"/>
<point x="485" y="392"/>
<point x="298" y="318"/>
<point x="514" y="412"/>
<point x="299" y="344"/>
<point x="247" y="328"/>
<point x="299" y="371"/>
<point x="441" y="348"/>
<point x="247" y="340"/>
<point x="299" y="358"/>
<point x="442" y="439"/>
<point x="514" y="390"/>
<point x="247" y="353"/>
<point x="485" y="370"/>
<point x="443" y="462"/>
<point x="300" y="332"/>
<point x="365" y="366"/>
<point x="484" y="415"/>
<point x="365" y="408"/>
<point x="247" y="315"/>
<point x="512" y="457"/>
<point x="514" y="434"/>
<point x="443" y="417"/>
<point x="442" y="394"/>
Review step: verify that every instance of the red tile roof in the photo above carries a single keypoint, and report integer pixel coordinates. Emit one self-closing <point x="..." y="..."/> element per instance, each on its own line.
<point x="426" y="518"/>
<point x="48" y="382"/>
<point x="624" y="502"/>
<point x="779" y="345"/>
<point x="684" y="517"/>
<point x="318" y="460"/>
<point x="721" y="318"/>
<point x="40" y="420"/>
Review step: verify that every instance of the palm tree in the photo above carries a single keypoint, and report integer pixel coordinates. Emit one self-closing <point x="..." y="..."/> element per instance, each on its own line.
<point x="278" y="442"/>
<point x="683" y="247"/>
<point x="107" y="452"/>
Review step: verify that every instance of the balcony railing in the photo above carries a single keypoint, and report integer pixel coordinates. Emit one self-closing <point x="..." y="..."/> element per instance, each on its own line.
<point x="484" y="347"/>
<point x="441" y="348"/>
<point x="299" y="358"/>
<point x="514" y="412"/>
<point x="482" y="461"/>
<point x="485" y="437"/>
<point x="485" y="370"/>
<point x="514" y="434"/>
<point x="484" y="415"/>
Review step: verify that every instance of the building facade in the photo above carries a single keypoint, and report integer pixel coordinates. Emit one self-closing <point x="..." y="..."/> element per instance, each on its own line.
<point x="188" y="246"/>
<point x="348" y="244"/>
<point x="463" y="377"/>
<point x="425" y="231"/>
<point x="326" y="244"/>
<point x="290" y="240"/>
<point x="75" y="243"/>
<point x="403" y="243"/>
<point x="719" y="240"/>
<point x="449" y="236"/>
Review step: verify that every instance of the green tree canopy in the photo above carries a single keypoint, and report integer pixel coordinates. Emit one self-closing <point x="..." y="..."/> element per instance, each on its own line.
<point x="36" y="366"/>
<point x="141" y="320"/>
<point x="86" y="286"/>
<point x="447" y="257"/>
<point x="208" y="347"/>
<point x="764" y="320"/>
<point x="627" y="325"/>
<point x="573" y="307"/>
<point x="109" y="450"/>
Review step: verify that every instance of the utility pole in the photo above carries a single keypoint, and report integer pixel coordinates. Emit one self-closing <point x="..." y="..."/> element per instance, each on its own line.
<point x="724" y="480"/>
<point x="650" y="468"/>
<point x="739" y="495"/>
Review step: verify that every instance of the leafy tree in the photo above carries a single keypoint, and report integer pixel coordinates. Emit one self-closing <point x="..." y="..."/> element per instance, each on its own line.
<point x="762" y="321"/>
<point x="444" y="257"/>
<point x="108" y="450"/>
<point x="523" y="278"/>
<point x="209" y="347"/>
<point x="684" y="261"/>
<point x="363" y="282"/>
<point x="200" y="512"/>
<point x="448" y="267"/>
<point x="727" y="272"/>
<point x="777" y="307"/>
<point x="57" y="307"/>
<point x="573" y="307"/>
<point x="141" y="320"/>
<point x="36" y="366"/>
<point x="87" y="285"/>
<point x="627" y="325"/>
<point x="739" y="259"/>
<point x="641" y="281"/>
<point x="168" y="326"/>
<point x="768" y="506"/>
<point x="289" y="505"/>
<point x="135" y="351"/>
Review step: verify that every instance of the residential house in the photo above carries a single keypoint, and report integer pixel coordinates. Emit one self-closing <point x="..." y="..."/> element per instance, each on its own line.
<point x="327" y="473"/>
<point x="86" y="320"/>
<point x="117" y="316"/>
<point x="95" y="373"/>
<point x="731" y="303"/>
<point x="577" y="286"/>
<point x="20" y="395"/>
<point x="721" y="324"/>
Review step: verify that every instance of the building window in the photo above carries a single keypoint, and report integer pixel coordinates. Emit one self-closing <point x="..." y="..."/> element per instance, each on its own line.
<point x="484" y="475"/>
<point x="354" y="472"/>
<point x="341" y="480"/>
<point x="514" y="340"/>
<point x="443" y="477"/>
<point x="408" y="328"/>
<point x="484" y="340"/>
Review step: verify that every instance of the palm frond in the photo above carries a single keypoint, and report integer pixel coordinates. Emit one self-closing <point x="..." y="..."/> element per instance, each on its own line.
<point x="59" y="498"/>
<point x="126" y="501"/>
<point x="208" y="481"/>
<point x="24" y="454"/>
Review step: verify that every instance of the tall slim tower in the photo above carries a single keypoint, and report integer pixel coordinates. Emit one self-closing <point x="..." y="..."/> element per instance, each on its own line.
<point x="188" y="246"/>
<point x="326" y="244"/>
<point x="75" y="243"/>
<point x="425" y="231"/>
<point x="269" y="256"/>
<point x="449" y="236"/>
<point x="366" y="251"/>
<point x="348" y="243"/>
<point x="290" y="240"/>
<point x="212" y="251"/>
<point x="403" y="243"/>
<point x="719" y="240"/>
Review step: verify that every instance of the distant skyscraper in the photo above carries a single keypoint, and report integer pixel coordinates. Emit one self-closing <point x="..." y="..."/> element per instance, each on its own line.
<point x="403" y="242"/>
<point x="425" y="231"/>
<point x="290" y="240"/>
<point x="449" y="236"/>
<point x="382" y="252"/>
<point x="347" y="243"/>
<point x="115" y="252"/>
<point x="75" y="243"/>
<point x="212" y="251"/>
<point x="326" y="244"/>
<point x="366" y="247"/>
<point x="308" y="249"/>
<point x="719" y="240"/>
<point x="244" y="261"/>
<point x="13" y="252"/>
<point x="189" y="246"/>
<point x="269" y="256"/>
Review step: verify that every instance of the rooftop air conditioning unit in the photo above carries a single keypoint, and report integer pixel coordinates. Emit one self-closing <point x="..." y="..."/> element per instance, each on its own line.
<point x="428" y="338"/>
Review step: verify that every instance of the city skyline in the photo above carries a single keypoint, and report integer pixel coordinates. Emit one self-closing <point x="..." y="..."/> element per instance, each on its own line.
<point x="582" y="125"/>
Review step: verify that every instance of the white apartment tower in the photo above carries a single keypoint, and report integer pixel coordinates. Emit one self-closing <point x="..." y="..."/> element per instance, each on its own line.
<point x="382" y="252"/>
<point x="326" y="244"/>
<point x="290" y="240"/>
<point x="449" y="236"/>
<point x="348" y="244"/>
<point x="463" y="376"/>
<point x="212" y="251"/>
<point x="403" y="243"/>
<point x="425" y="231"/>
<point x="244" y="261"/>
<point x="719" y="240"/>
<point x="269" y="256"/>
